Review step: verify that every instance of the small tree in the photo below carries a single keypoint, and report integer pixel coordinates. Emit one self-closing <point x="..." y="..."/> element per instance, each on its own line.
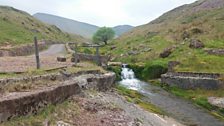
<point x="103" y="35"/>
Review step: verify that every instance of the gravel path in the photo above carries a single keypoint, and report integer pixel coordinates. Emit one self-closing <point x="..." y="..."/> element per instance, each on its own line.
<point x="48" y="59"/>
<point x="136" y="113"/>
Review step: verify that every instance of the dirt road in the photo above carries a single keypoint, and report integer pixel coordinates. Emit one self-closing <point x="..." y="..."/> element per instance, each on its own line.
<point x="48" y="59"/>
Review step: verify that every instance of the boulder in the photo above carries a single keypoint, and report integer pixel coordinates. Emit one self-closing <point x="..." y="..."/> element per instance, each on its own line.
<point x="61" y="59"/>
<point x="132" y="53"/>
<point x="166" y="53"/>
<point x="185" y="35"/>
<point x="219" y="52"/>
<point x="171" y="65"/>
<point x="219" y="102"/>
<point x="146" y="50"/>
<point x="196" y="44"/>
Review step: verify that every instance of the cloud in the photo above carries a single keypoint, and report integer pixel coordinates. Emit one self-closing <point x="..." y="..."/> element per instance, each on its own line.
<point x="100" y="12"/>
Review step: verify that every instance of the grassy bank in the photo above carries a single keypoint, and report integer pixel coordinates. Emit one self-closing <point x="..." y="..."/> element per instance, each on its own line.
<point x="150" y="70"/>
<point x="199" y="97"/>
<point x="50" y="115"/>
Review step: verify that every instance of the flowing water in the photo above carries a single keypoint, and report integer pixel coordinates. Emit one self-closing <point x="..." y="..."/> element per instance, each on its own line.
<point x="180" y="109"/>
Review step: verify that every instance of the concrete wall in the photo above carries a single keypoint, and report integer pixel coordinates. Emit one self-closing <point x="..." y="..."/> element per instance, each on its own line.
<point x="25" y="103"/>
<point x="54" y="76"/>
<point x="187" y="80"/>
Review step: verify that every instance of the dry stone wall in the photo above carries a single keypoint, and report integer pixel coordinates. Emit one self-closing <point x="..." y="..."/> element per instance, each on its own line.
<point x="188" y="80"/>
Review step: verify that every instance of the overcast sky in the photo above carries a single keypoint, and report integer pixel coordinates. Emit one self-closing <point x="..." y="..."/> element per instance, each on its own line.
<point x="100" y="12"/>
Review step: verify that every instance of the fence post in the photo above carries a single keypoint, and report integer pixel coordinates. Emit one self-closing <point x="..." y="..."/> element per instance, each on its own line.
<point x="37" y="53"/>
<point x="97" y="56"/>
<point x="76" y="56"/>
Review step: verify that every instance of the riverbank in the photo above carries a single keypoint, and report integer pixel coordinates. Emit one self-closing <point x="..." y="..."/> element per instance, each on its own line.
<point x="181" y="109"/>
<point x="94" y="108"/>
<point x="199" y="97"/>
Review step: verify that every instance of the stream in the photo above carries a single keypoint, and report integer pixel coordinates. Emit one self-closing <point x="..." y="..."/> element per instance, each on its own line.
<point x="180" y="109"/>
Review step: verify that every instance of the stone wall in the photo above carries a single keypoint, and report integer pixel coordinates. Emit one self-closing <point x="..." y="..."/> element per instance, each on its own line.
<point x="87" y="57"/>
<point x="25" y="103"/>
<point x="21" y="50"/>
<point x="25" y="49"/>
<point x="188" y="80"/>
<point x="54" y="76"/>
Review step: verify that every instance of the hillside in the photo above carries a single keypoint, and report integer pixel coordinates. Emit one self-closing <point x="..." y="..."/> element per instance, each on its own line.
<point x="18" y="27"/>
<point x="68" y="25"/>
<point x="76" y="27"/>
<point x="121" y="29"/>
<point x="202" y="20"/>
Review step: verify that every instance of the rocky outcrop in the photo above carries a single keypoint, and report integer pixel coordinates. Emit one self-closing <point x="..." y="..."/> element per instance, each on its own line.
<point x="187" y="80"/>
<point x="171" y="65"/>
<point x="196" y="44"/>
<point x="219" y="52"/>
<point x="25" y="103"/>
<point x="166" y="52"/>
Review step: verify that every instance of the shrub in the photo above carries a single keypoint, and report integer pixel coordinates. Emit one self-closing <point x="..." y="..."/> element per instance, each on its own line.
<point x="116" y="70"/>
<point x="154" y="69"/>
<point x="151" y="70"/>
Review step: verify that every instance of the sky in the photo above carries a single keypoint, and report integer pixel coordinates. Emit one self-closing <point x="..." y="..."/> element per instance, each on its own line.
<point x="100" y="12"/>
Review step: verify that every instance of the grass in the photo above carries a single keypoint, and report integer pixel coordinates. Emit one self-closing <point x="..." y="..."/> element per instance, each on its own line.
<point x="52" y="113"/>
<point x="137" y="98"/>
<point x="19" y="28"/>
<point x="169" y="32"/>
<point x="199" y="97"/>
<point x="18" y="86"/>
<point x="84" y="66"/>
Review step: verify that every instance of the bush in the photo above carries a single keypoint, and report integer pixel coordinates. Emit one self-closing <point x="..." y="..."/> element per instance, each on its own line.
<point x="116" y="70"/>
<point x="154" y="69"/>
<point x="151" y="70"/>
<point x="137" y="70"/>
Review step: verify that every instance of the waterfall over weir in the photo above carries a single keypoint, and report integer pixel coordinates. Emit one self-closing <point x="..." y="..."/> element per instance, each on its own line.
<point x="128" y="79"/>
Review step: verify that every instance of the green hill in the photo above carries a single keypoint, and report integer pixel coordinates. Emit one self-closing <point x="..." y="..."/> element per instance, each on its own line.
<point x="202" y="20"/>
<point x="18" y="27"/>
<point x="68" y="25"/>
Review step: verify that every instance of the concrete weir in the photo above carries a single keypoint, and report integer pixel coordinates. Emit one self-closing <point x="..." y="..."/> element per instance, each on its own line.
<point x="25" y="103"/>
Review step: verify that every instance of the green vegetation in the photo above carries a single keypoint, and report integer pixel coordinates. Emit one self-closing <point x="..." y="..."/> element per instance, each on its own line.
<point x="151" y="70"/>
<point x="198" y="97"/>
<point x="18" y="27"/>
<point x="137" y="98"/>
<point x="103" y="35"/>
<point x="116" y="70"/>
<point x="144" y="43"/>
<point x="50" y="115"/>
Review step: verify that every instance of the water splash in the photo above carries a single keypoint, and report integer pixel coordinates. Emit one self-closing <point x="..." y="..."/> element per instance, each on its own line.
<point x="129" y="81"/>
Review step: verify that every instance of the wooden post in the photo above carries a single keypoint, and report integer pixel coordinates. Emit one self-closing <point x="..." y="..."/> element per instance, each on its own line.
<point x="76" y="56"/>
<point x="97" y="56"/>
<point x="37" y="53"/>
